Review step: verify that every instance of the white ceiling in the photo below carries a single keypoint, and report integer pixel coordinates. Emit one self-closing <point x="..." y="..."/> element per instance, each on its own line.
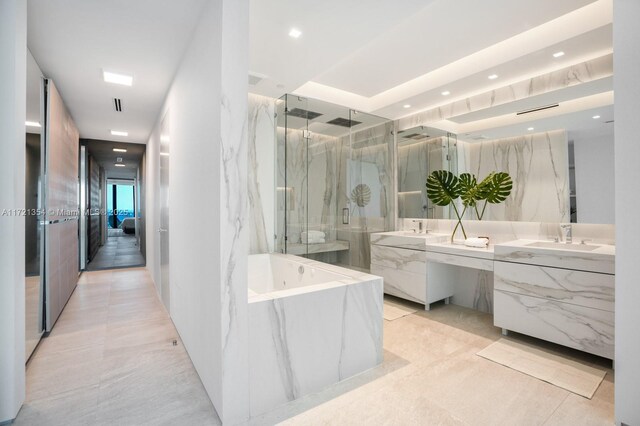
<point x="74" y="40"/>
<point x="380" y="58"/>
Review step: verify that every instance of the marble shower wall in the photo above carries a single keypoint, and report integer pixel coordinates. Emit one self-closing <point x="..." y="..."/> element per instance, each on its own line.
<point x="539" y="167"/>
<point x="261" y="179"/>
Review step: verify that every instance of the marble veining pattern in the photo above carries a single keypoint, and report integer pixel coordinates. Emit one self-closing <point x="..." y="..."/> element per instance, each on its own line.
<point x="261" y="173"/>
<point x="587" y="329"/>
<point x="305" y="339"/>
<point x="592" y="70"/>
<point x="538" y="165"/>
<point x="564" y="285"/>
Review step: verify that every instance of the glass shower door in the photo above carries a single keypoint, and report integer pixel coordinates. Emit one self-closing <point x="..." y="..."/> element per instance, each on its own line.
<point x="368" y="190"/>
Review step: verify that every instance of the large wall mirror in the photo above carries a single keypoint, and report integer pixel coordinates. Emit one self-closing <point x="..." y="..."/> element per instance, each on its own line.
<point x="562" y="165"/>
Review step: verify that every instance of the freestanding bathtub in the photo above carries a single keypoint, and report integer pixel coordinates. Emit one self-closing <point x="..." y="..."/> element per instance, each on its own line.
<point x="310" y="325"/>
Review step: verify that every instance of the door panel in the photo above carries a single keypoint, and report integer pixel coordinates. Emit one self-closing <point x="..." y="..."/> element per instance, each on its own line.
<point x="61" y="204"/>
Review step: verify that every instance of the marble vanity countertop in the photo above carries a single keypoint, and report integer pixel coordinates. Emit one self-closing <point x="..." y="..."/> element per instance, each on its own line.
<point x="407" y="239"/>
<point x="461" y="250"/>
<point x="568" y="256"/>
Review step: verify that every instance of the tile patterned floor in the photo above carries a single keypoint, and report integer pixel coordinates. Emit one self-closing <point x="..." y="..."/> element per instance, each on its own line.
<point x="110" y="361"/>
<point x="120" y="250"/>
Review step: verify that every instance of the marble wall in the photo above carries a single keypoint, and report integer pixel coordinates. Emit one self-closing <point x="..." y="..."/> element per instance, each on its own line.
<point x="539" y="166"/>
<point x="261" y="178"/>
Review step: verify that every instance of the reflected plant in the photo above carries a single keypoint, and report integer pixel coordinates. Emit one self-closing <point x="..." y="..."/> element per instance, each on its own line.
<point x="444" y="188"/>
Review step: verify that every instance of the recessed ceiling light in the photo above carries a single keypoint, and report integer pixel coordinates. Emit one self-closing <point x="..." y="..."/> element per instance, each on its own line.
<point x="111" y="77"/>
<point x="558" y="54"/>
<point x="119" y="165"/>
<point x="295" y="33"/>
<point x="446" y="93"/>
<point x="406" y="106"/>
<point x="119" y="133"/>
<point x="119" y="150"/>
<point x="530" y="129"/>
<point x="165" y="154"/>
<point x="493" y="76"/>
<point x="595" y="117"/>
<point x="32" y="124"/>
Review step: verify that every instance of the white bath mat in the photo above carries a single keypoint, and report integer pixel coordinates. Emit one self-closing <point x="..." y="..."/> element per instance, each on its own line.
<point x="570" y="375"/>
<point x="393" y="311"/>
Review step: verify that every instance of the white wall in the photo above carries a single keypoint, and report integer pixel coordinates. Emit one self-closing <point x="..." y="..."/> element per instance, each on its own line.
<point x="595" y="183"/>
<point x="207" y="106"/>
<point x="13" y="89"/>
<point x="626" y="39"/>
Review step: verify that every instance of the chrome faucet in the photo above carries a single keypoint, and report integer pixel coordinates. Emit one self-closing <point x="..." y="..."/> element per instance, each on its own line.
<point x="566" y="228"/>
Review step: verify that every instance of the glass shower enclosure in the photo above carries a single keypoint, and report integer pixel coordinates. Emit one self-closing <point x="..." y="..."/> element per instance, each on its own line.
<point x="335" y="177"/>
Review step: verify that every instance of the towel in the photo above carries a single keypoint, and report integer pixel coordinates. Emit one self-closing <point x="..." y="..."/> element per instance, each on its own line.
<point x="477" y="242"/>
<point x="312" y="235"/>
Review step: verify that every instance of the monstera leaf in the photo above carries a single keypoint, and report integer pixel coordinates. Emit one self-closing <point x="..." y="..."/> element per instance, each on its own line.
<point x="469" y="190"/>
<point x="497" y="188"/>
<point x="443" y="187"/>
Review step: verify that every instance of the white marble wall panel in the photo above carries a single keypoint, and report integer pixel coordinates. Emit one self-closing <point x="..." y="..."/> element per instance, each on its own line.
<point x="261" y="179"/>
<point x="303" y="343"/>
<point x="564" y="285"/>
<point x="539" y="167"/>
<point x="592" y="70"/>
<point x="586" y="329"/>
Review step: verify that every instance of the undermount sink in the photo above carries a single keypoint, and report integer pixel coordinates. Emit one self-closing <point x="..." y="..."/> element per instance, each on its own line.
<point x="562" y="246"/>
<point x="416" y="234"/>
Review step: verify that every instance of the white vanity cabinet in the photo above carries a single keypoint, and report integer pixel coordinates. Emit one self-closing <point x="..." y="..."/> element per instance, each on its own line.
<point x="401" y="260"/>
<point x="404" y="271"/>
<point x="571" y="307"/>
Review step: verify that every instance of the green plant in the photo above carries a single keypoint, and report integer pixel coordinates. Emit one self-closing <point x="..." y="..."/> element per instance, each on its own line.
<point x="444" y="188"/>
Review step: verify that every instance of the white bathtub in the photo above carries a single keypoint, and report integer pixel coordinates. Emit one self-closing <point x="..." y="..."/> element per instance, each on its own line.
<point x="311" y="325"/>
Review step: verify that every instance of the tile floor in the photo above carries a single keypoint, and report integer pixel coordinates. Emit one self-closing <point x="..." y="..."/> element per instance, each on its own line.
<point x="110" y="360"/>
<point x="120" y="250"/>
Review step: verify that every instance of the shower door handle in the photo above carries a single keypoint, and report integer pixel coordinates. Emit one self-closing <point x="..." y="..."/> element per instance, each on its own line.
<point x="345" y="216"/>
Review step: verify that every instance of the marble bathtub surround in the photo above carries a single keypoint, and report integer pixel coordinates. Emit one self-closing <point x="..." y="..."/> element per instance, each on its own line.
<point x="309" y="337"/>
<point x="592" y="70"/>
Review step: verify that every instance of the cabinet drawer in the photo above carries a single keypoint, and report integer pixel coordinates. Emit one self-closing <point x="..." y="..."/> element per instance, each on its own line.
<point x="580" y="288"/>
<point x="397" y="258"/>
<point x="587" y="329"/>
<point x="403" y="284"/>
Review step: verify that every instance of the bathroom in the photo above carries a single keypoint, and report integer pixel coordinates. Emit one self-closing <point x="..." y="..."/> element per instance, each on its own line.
<point x="347" y="220"/>
<point x="342" y="190"/>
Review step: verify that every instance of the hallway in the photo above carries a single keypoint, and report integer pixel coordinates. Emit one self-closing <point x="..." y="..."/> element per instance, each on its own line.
<point x="110" y="359"/>
<point x="120" y="250"/>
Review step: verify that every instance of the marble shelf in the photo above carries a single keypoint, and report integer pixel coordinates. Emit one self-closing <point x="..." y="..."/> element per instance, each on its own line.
<point x="299" y="248"/>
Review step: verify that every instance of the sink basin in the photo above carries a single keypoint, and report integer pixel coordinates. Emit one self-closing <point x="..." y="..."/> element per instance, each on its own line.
<point x="562" y="246"/>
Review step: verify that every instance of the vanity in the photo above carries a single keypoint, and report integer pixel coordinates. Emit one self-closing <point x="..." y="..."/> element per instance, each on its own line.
<point x="562" y="293"/>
